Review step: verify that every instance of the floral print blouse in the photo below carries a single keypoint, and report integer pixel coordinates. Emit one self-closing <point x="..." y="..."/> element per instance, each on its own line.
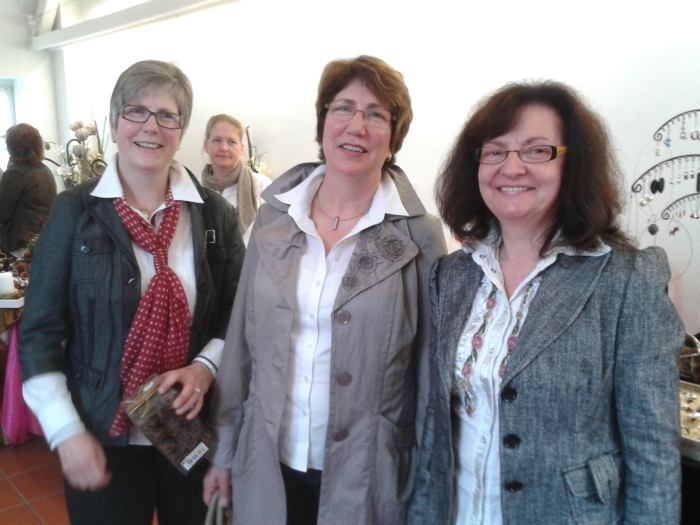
<point x="485" y="345"/>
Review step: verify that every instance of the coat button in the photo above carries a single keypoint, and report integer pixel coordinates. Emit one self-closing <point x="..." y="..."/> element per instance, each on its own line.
<point x="509" y="394"/>
<point x="344" y="379"/>
<point x="514" y="486"/>
<point x="342" y="317"/>
<point x="341" y="436"/>
<point x="85" y="248"/>
<point x="511" y="441"/>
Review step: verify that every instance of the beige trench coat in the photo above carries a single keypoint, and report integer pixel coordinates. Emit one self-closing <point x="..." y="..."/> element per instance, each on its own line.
<point x="380" y="335"/>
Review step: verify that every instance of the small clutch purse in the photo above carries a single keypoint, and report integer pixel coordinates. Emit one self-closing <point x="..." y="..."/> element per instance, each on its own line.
<point x="183" y="441"/>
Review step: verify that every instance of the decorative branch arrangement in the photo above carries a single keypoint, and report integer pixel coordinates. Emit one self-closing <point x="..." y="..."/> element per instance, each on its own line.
<point x="82" y="158"/>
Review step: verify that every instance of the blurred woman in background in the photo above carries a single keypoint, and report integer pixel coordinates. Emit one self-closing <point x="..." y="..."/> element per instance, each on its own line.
<point x="27" y="190"/>
<point x="228" y="174"/>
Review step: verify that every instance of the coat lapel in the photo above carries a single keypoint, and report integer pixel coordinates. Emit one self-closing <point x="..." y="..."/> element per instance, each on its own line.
<point x="278" y="244"/>
<point x="565" y="288"/>
<point x="381" y="250"/>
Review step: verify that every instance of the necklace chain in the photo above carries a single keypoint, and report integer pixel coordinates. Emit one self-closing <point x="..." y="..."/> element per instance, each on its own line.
<point x="337" y="219"/>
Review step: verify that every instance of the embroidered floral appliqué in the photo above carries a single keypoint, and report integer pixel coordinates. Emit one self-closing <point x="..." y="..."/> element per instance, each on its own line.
<point x="385" y="247"/>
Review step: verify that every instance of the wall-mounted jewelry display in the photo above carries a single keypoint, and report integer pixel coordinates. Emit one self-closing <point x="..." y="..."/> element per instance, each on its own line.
<point x="670" y="189"/>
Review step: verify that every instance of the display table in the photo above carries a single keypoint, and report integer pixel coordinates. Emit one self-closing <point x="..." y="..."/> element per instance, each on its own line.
<point x="16" y="420"/>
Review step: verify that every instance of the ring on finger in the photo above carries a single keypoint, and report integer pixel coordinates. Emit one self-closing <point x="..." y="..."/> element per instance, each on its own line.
<point x="199" y="391"/>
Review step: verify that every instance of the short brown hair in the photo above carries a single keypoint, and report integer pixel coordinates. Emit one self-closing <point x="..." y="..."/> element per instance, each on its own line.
<point x="381" y="79"/>
<point x="589" y="201"/>
<point x="24" y="144"/>
<point x="152" y="76"/>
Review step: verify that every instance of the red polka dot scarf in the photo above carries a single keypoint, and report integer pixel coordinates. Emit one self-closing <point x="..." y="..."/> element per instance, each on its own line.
<point x="160" y="333"/>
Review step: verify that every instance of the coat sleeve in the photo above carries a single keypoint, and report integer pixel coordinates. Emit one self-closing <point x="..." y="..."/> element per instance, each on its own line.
<point x="46" y="320"/>
<point x="233" y="380"/>
<point x="649" y="341"/>
<point x="228" y="285"/>
<point x="12" y="186"/>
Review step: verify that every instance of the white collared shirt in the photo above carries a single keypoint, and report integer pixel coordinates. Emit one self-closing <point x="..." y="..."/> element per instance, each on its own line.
<point x="305" y="418"/>
<point x="478" y="466"/>
<point x="47" y="394"/>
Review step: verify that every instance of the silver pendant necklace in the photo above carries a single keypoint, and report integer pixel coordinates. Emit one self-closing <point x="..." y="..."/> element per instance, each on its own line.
<point x="337" y="220"/>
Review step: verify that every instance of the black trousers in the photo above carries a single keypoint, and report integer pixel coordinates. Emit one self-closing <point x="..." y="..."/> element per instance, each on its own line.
<point x="303" y="491"/>
<point x="142" y="480"/>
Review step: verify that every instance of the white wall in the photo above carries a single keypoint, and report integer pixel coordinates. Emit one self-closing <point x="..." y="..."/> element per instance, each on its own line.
<point x="260" y="60"/>
<point x="32" y="73"/>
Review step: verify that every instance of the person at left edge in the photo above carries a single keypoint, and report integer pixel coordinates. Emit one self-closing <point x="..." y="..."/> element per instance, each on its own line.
<point x="97" y="286"/>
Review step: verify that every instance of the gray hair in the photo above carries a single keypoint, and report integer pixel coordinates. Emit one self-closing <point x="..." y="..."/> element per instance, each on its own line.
<point x="152" y="76"/>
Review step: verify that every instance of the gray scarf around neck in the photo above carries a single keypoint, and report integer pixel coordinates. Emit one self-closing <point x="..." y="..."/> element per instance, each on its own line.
<point x="247" y="199"/>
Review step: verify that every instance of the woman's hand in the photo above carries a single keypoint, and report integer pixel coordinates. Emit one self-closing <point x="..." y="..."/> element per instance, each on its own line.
<point x="84" y="463"/>
<point x="217" y="478"/>
<point x="195" y="380"/>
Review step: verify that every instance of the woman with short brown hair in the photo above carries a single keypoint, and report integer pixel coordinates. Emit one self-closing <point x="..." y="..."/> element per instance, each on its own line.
<point x="27" y="190"/>
<point x="316" y="409"/>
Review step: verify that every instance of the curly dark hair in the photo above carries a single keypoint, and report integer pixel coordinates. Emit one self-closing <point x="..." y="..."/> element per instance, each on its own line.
<point x="589" y="201"/>
<point x="24" y="144"/>
<point x="381" y="79"/>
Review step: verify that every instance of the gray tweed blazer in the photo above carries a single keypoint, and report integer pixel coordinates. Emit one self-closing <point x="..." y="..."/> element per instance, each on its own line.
<point x="591" y="392"/>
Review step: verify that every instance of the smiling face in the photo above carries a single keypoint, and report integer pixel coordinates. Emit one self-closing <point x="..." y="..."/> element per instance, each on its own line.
<point x="519" y="193"/>
<point x="224" y="147"/>
<point x="146" y="148"/>
<point x="352" y="147"/>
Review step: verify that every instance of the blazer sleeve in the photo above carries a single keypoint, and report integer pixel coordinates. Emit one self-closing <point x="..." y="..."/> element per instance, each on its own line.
<point x="649" y="342"/>
<point x="432" y="246"/>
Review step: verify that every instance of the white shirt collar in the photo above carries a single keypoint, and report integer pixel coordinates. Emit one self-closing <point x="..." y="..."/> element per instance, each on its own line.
<point x="110" y="187"/>
<point x="385" y="201"/>
<point x="489" y="246"/>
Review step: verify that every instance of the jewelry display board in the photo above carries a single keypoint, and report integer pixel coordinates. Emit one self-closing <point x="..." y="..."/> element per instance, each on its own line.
<point x="690" y="420"/>
<point x="668" y="192"/>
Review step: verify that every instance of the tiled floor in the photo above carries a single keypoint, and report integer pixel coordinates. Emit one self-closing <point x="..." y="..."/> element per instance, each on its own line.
<point x="31" y="486"/>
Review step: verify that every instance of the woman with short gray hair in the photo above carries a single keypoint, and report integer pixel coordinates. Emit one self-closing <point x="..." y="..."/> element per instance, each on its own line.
<point x="134" y="275"/>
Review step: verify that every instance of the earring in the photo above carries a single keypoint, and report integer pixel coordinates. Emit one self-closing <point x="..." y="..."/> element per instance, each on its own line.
<point x="683" y="134"/>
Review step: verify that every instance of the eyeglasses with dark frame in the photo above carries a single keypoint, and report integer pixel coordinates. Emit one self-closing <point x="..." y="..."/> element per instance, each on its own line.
<point x="530" y="154"/>
<point x="140" y="114"/>
<point x="377" y="117"/>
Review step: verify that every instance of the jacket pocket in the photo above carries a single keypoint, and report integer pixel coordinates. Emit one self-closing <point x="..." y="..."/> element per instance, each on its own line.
<point x="396" y="449"/>
<point x="596" y="490"/>
<point x="246" y="448"/>
<point x="85" y="380"/>
<point x="90" y="257"/>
